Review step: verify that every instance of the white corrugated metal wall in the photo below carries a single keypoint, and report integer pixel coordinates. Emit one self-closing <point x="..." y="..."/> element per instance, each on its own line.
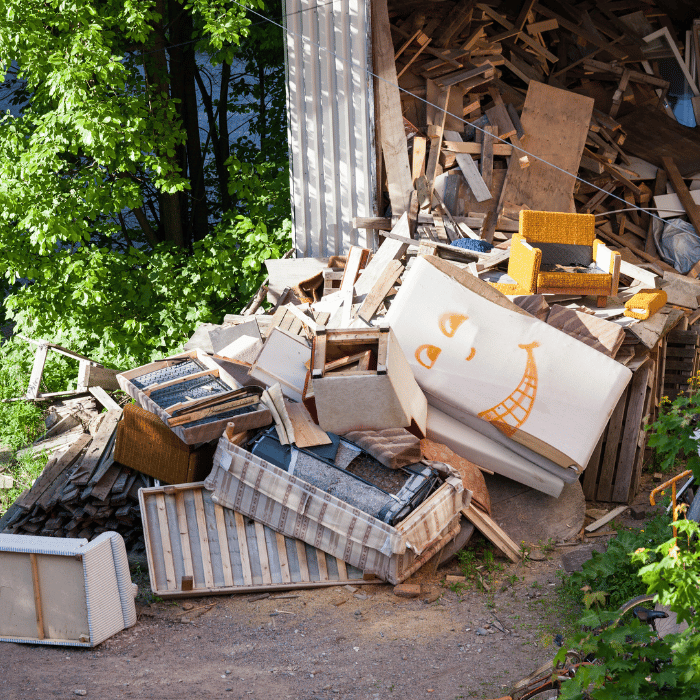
<point x="330" y="108"/>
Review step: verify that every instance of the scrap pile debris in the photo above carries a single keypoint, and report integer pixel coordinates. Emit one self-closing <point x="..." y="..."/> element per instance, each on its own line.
<point x="531" y="294"/>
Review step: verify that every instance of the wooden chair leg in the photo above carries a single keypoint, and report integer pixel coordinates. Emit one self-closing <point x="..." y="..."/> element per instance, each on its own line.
<point x="602" y="302"/>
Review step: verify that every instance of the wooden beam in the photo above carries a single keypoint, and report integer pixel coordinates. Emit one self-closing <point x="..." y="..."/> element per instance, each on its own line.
<point x="389" y="114"/>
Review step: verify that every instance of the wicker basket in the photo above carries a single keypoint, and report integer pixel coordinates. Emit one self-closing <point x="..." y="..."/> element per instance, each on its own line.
<point x="146" y="444"/>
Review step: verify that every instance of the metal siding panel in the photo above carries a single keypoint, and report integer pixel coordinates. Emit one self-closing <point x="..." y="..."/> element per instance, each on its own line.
<point x="331" y="124"/>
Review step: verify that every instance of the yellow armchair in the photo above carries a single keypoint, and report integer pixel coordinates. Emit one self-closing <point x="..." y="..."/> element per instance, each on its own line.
<point x="557" y="253"/>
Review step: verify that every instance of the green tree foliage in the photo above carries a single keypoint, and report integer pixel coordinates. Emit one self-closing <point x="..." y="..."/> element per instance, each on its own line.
<point x="126" y="217"/>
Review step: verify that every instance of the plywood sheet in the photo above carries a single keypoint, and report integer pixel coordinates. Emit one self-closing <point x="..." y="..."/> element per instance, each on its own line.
<point x="556" y="126"/>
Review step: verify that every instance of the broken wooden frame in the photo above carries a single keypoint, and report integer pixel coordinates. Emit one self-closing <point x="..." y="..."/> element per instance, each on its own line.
<point x="196" y="547"/>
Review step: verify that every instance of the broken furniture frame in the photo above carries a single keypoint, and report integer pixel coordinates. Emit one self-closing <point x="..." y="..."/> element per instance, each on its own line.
<point x="90" y="373"/>
<point x="196" y="547"/>
<point x="387" y="396"/>
<point x="194" y="419"/>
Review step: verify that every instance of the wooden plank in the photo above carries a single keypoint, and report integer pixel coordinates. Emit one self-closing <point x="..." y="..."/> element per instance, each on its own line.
<point x="436" y="142"/>
<point x="37" y="372"/>
<point x="471" y="173"/>
<point x="390" y="249"/>
<point x="40" y="631"/>
<point x="490" y="529"/>
<point x="624" y="475"/>
<point x="306" y="432"/>
<point x="322" y="566"/>
<point x="262" y="553"/>
<point x="104" y="399"/>
<point x="612" y="442"/>
<point x="243" y="548"/>
<point x="420" y="145"/>
<point x="96" y="449"/>
<point x="691" y="208"/>
<point x="474" y="149"/>
<point x="184" y="534"/>
<point x="52" y="471"/>
<point x="392" y="136"/>
<point x="203" y="539"/>
<point x="301" y="558"/>
<point x="183" y="419"/>
<point x="606" y="519"/>
<point x="380" y="289"/>
<point x="283" y="559"/>
<point x="590" y="475"/>
<point x="486" y="164"/>
<point x="168" y="561"/>
<point x="223" y="545"/>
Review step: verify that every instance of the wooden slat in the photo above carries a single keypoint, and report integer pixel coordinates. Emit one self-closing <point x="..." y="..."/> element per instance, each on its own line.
<point x="40" y="631"/>
<point x="184" y="534"/>
<point x="283" y="559"/>
<point x="590" y="475"/>
<point x="380" y="289"/>
<point x="322" y="566"/>
<point x="303" y="563"/>
<point x="223" y="545"/>
<point x="306" y="432"/>
<point x="389" y="113"/>
<point x="243" y="548"/>
<point x="203" y="539"/>
<point x="37" y="370"/>
<point x="624" y="475"/>
<point x="170" y="580"/>
<point x="612" y="442"/>
<point x="490" y="529"/>
<point x="262" y="552"/>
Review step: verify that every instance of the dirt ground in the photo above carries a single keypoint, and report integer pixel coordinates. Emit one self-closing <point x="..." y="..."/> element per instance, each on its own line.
<point x="351" y="643"/>
<point x="330" y="643"/>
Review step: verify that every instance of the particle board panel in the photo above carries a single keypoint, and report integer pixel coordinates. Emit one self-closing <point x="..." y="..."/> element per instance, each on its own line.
<point x="187" y="534"/>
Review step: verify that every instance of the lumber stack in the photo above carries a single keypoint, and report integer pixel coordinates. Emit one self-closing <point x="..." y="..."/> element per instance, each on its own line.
<point x="82" y="492"/>
<point x="464" y="70"/>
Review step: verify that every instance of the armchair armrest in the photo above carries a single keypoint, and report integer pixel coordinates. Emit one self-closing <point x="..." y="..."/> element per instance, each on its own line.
<point x="524" y="264"/>
<point x="609" y="261"/>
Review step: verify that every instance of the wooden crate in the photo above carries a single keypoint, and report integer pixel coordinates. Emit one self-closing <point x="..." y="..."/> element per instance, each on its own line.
<point x="196" y="547"/>
<point x="615" y="468"/>
<point x="682" y="363"/>
<point x="198" y="431"/>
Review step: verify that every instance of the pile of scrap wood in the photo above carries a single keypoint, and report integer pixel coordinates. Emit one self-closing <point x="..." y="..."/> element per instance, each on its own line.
<point x="82" y="492"/>
<point x="501" y="105"/>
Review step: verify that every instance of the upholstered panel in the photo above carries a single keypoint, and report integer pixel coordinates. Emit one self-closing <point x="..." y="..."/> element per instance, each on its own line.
<point x="597" y="283"/>
<point x="557" y="227"/>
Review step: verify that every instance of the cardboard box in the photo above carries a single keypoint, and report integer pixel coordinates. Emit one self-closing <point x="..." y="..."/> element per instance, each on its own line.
<point x="162" y="375"/>
<point x="373" y="399"/>
<point x="292" y="507"/>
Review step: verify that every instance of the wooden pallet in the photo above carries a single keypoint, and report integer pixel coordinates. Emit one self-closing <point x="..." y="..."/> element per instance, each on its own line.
<point x="682" y="361"/>
<point x="615" y="468"/>
<point x="196" y="547"/>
